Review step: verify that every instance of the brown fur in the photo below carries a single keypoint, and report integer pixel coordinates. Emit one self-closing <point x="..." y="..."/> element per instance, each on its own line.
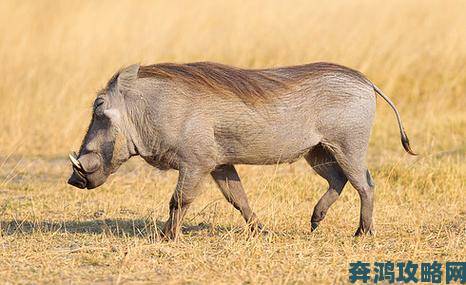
<point x="248" y="84"/>
<point x="204" y="76"/>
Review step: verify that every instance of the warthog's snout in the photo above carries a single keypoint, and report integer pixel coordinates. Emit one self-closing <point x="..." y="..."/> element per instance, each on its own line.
<point x="77" y="180"/>
<point x="85" y="171"/>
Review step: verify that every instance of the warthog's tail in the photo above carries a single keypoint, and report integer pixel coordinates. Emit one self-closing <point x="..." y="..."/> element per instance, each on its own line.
<point x="404" y="137"/>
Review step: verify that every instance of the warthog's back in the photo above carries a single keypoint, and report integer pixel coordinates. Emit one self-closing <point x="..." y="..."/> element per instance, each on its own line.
<point x="259" y="116"/>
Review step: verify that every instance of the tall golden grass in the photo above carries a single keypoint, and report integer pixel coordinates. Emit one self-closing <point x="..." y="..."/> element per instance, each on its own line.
<point x="55" y="55"/>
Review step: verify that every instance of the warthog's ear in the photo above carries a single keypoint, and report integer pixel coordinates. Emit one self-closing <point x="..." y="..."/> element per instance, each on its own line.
<point x="127" y="75"/>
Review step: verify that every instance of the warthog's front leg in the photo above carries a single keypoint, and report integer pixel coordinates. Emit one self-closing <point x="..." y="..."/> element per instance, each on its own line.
<point x="229" y="183"/>
<point x="187" y="189"/>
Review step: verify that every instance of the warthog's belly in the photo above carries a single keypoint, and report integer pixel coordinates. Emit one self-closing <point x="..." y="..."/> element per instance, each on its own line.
<point x="266" y="143"/>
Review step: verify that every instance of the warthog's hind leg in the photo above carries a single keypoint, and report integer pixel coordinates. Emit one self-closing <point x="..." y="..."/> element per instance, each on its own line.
<point x="353" y="164"/>
<point x="229" y="183"/>
<point x="364" y="184"/>
<point x="324" y="163"/>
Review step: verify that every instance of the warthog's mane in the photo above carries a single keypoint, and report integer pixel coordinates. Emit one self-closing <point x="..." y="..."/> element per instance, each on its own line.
<point x="250" y="85"/>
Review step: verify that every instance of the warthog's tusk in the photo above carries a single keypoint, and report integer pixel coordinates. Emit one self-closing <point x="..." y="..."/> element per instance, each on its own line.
<point x="75" y="161"/>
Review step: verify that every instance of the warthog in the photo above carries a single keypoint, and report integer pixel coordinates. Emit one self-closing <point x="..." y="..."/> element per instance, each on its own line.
<point x="203" y="118"/>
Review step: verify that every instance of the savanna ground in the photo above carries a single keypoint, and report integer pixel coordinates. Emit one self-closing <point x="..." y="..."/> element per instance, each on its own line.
<point x="55" y="55"/>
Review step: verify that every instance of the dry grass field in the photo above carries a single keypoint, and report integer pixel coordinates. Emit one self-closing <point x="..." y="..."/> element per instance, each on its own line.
<point x="55" y="55"/>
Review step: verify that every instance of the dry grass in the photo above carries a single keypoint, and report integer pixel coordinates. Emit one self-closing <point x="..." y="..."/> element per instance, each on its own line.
<point x="55" y="55"/>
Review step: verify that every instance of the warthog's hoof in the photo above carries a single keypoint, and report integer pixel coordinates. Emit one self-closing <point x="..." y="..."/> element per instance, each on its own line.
<point x="314" y="226"/>
<point x="257" y="228"/>
<point x="362" y="232"/>
<point x="169" y="233"/>
<point x="168" y="236"/>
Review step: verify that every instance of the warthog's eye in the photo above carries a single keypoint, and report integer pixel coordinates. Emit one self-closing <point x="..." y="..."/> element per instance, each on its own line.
<point x="98" y="102"/>
<point x="97" y="106"/>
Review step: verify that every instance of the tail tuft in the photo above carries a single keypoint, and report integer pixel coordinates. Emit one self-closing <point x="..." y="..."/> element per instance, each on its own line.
<point x="406" y="145"/>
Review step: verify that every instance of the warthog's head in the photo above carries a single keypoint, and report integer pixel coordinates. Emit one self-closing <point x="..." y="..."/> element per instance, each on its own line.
<point x="107" y="143"/>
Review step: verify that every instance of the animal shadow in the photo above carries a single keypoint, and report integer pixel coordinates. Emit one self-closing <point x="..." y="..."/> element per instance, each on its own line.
<point x="113" y="227"/>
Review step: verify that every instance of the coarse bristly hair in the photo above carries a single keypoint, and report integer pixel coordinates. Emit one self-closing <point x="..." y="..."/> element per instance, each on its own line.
<point x="249" y="85"/>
